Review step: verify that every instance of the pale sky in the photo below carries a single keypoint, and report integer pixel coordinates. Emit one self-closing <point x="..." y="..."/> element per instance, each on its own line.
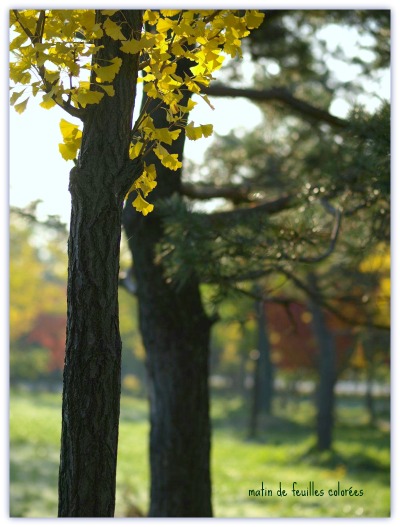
<point x="37" y="169"/>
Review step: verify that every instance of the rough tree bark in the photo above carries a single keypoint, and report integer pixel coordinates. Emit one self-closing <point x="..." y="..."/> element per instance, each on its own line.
<point x="91" y="385"/>
<point x="175" y="332"/>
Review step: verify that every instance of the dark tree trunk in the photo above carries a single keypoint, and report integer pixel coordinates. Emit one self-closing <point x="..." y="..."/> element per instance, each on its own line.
<point x="327" y="373"/>
<point x="266" y="365"/>
<point x="369" y="397"/>
<point x="254" y="412"/>
<point x="175" y="332"/>
<point x="91" y="388"/>
<point x="263" y="375"/>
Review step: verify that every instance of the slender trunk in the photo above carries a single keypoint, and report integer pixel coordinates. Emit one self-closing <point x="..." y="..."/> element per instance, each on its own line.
<point x="327" y="374"/>
<point x="91" y="386"/>
<point x="255" y="402"/>
<point x="175" y="332"/>
<point x="266" y="365"/>
<point x="263" y="375"/>
<point x="369" y="398"/>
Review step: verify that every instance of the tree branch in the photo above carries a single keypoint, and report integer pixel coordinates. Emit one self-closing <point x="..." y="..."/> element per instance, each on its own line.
<point x="237" y="215"/>
<point x="237" y="194"/>
<point x="333" y="238"/>
<point x="321" y="301"/>
<point x="277" y="94"/>
<point x="47" y="86"/>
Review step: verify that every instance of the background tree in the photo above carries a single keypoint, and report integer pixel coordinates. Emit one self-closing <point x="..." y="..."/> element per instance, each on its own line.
<point x="305" y="185"/>
<point x="175" y="332"/>
<point x="33" y="352"/>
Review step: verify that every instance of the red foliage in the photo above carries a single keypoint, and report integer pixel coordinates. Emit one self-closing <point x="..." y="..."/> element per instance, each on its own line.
<point x="49" y="332"/>
<point x="292" y="339"/>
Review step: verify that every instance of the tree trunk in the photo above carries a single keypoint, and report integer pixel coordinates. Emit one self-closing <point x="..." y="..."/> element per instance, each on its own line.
<point x="369" y="397"/>
<point x="327" y="373"/>
<point x="91" y="385"/>
<point x="266" y="365"/>
<point x="175" y="332"/>
<point x="263" y="375"/>
<point x="255" y="401"/>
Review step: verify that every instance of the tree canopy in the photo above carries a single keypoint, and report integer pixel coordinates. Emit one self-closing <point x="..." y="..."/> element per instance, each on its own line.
<point x="52" y="57"/>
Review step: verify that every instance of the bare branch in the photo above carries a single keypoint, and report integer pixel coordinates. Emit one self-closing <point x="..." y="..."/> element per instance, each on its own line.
<point x="26" y="30"/>
<point x="324" y="303"/>
<point x="277" y="94"/>
<point x="40" y="26"/>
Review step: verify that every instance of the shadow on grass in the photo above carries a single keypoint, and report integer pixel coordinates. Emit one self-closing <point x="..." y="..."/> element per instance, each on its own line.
<point x="40" y="469"/>
<point x="361" y="451"/>
<point x="232" y="415"/>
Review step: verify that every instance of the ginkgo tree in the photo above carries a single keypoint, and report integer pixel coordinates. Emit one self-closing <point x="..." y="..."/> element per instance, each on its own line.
<point x="58" y="49"/>
<point x="87" y="62"/>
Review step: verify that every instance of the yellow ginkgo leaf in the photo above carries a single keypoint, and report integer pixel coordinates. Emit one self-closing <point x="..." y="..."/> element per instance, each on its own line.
<point x="47" y="103"/>
<point x="141" y="205"/>
<point x="151" y="172"/>
<point x="197" y="132"/>
<point x="109" y="89"/>
<point x="253" y="19"/>
<point x="52" y="76"/>
<point x="68" y="130"/>
<point x="151" y="16"/>
<point x="134" y="150"/>
<point x="151" y="90"/>
<point x="15" y="96"/>
<point x="165" y="135"/>
<point x="168" y="160"/>
<point x="113" y="30"/>
<point x="132" y="46"/>
<point x="84" y="97"/>
<point x="164" y="24"/>
<point x="72" y="140"/>
<point x="206" y="129"/>
<point x="190" y="105"/>
<point x="166" y="12"/>
<point x="193" y="132"/>
<point x="20" y="107"/>
<point x="67" y="150"/>
<point x="107" y="73"/>
<point x="145" y="184"/>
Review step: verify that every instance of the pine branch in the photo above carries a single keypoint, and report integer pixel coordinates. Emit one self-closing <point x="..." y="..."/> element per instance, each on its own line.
<point x="333" y="238"/>
<point x="235" y="193"/>
<point x="277" y="94"/>
<point x="269" y="207"/>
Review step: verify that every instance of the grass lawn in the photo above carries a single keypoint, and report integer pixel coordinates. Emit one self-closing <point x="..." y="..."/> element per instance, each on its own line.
<point x="282" y="454"/>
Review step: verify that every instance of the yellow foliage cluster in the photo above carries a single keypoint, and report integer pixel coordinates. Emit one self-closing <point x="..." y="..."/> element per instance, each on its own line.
<point x="54" y="54"/>
<point x="378" y="262"/>
<point x="30" y="293"/>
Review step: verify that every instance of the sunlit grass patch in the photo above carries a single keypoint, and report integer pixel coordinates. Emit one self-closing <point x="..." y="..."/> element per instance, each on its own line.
<point x="282" y="454"/>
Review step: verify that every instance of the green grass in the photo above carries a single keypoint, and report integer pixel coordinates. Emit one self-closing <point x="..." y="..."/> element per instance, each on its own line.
<point x="283" y="452"/>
